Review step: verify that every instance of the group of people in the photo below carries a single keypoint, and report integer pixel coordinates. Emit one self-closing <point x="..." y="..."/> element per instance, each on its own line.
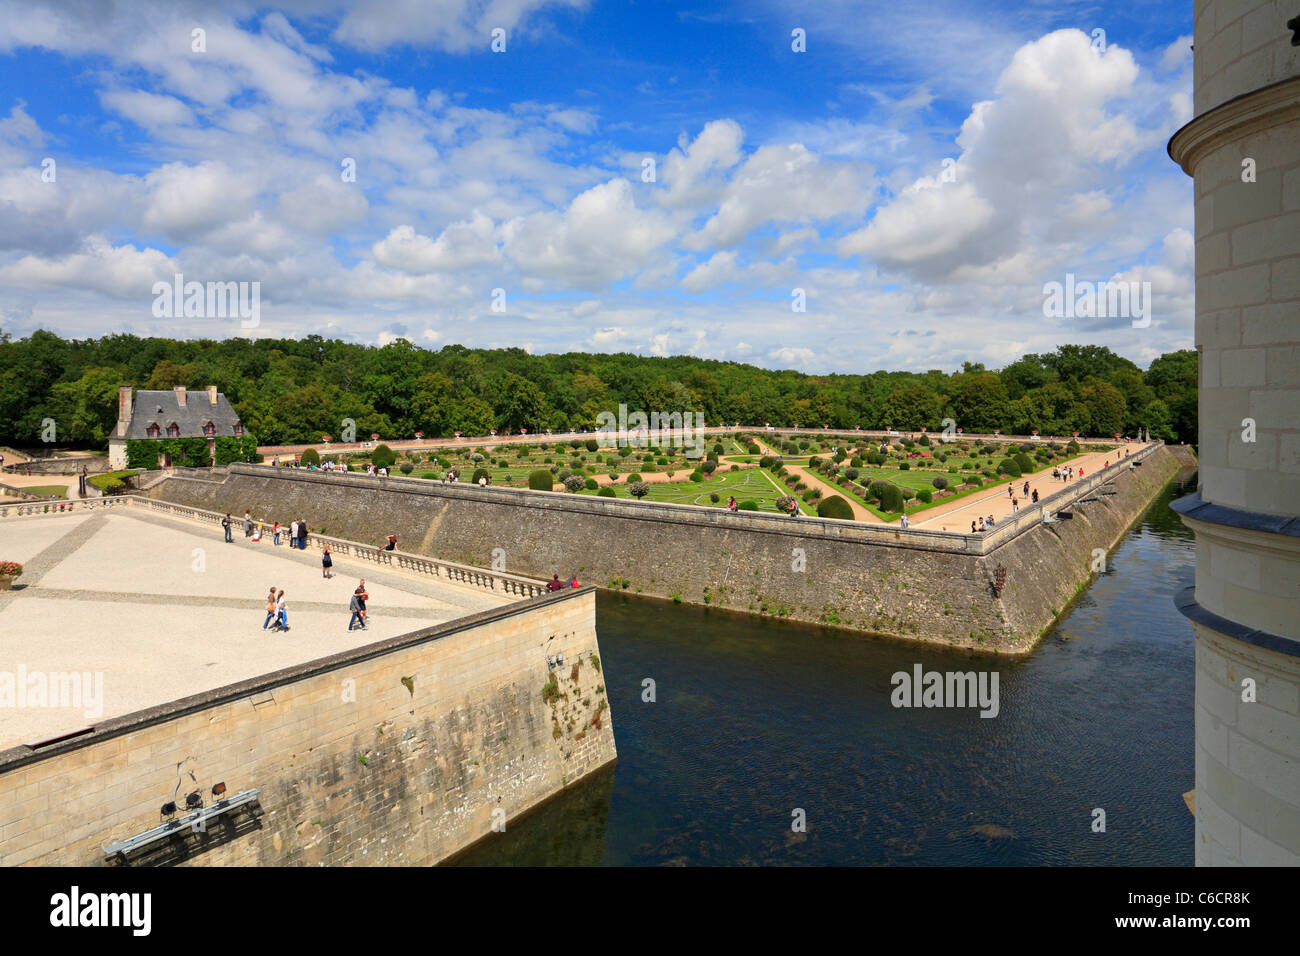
<point x="555" y="584"/>
<point x="277" y="609"/>
<point x="253" y="531"/>
<point x="984" y="524"/>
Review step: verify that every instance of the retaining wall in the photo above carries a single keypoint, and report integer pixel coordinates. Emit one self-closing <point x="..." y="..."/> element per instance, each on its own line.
<point x="921" y="585"/>
<point x="353" y="765"/>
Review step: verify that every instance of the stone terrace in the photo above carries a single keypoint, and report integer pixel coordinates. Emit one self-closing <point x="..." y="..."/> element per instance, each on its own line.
<point x="163" y="608"/>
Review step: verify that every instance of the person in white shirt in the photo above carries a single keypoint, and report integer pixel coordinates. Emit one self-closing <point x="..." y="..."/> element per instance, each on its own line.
<point x="293" y="534"/>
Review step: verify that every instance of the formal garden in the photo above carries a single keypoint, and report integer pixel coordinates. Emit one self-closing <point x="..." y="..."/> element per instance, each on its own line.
<point x="904" y="475"/>
<point x="887" y="477"/>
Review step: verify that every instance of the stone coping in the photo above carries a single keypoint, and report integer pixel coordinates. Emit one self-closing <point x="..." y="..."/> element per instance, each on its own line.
<point x="1185" y="601"/>
<point x="1196" y="507"/>
<point x="1250" y="112"/>
<point x="22" y="755"/>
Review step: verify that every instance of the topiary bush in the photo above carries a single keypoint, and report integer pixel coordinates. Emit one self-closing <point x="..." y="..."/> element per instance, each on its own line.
<point x="383" y="457"/>
<point x="1009" y="467"/>
<point x="940" y="483"/>
<point x="708" y="467"/>
<point x="638" y="489"/>
<point x="574" y="484"/>
<point x="606" y="492"/>
<point x="748" y="505"/>
<point x="633" y="477"/>
<point x="713" y="496"/>
<point x="905" y="465"/>
<point x="924" y="495"/>
<point x="835" y="507"/>
<point x="541" y="480"/>
<point x="406" y="467"/>
<point x="592" y="444"/>
<point x="892" y="499"/>
<point x="308" y="458"/>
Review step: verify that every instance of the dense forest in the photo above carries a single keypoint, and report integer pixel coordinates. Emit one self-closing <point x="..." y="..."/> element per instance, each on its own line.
<point x="288" y="390"/>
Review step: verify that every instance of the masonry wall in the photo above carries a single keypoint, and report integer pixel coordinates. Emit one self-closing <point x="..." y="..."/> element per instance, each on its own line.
<point x="866" y="579"/>
<point x="353" y="766"/>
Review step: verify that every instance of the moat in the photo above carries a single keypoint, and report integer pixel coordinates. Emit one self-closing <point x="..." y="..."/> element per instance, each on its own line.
<point x="754" y="719"/>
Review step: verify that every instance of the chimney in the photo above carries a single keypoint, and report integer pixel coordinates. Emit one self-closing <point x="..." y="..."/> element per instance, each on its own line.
<point x="123" y="409"/>
<point x="212" y="394"/>
<point x="180" y="395"/>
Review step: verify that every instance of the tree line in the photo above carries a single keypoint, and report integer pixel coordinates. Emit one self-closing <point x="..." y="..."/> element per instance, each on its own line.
<point x="296" y="390"/>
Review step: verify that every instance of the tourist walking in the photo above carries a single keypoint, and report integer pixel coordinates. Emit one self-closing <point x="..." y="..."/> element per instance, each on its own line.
<point x="270" y="609"/>
<point x="275" y="534"/>
<point x="902" y="522"/>
<point x="1026" y="488"/>
<point x="357" y="607"/>
<point x="302" y="535"/>
<point x="326" y="562"/>
<point x="248" y="524"/>
<point x="365" y="597"/>
<point x="282" y="608"/>
<point x="225" y="525"/>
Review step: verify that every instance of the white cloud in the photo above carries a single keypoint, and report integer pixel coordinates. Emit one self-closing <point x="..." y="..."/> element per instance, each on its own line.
<point x="460" y="246"/>
<point x="600" y="237"/>
<point x="717" y="270"/>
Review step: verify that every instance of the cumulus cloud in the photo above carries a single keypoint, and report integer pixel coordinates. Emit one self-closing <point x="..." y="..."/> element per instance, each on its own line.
<point x="600" y="237"/>
<point x="781" y="184"/>
<point x="460" y="246"/>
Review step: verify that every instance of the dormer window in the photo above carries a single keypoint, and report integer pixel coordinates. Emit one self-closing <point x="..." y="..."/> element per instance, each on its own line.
<point x="173" y="430"/>
<point x="239" y="428"/>
<point x="209" y="430"/>
<point x="152" y="431"/>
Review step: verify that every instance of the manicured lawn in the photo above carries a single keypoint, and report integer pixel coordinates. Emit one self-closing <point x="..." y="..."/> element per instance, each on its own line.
<point x="747" y="485"/>
<point x="45" y="491"/>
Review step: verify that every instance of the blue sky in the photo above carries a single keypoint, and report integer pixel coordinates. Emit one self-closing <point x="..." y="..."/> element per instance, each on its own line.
<point x="524" y="171"/>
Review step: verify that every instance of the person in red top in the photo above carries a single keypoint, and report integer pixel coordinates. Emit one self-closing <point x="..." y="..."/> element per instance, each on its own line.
<point x="554" y="584"/>
<point x="574" y="583"/>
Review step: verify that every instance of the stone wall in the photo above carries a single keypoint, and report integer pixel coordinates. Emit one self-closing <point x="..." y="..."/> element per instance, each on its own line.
<point x="918" y="585"/>
<point x="353" y="765"/>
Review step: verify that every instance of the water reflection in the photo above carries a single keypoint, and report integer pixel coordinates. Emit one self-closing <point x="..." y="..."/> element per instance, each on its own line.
<point x="757" y="719"/>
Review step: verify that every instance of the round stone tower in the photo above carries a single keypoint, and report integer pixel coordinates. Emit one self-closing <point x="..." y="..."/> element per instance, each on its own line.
<point x="1243" y="151"/>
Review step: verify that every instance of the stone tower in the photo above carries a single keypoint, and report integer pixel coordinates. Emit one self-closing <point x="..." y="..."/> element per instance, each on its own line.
<point x="1243" y="151"/>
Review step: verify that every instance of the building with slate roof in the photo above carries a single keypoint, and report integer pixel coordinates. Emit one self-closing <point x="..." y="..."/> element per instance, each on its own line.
<point x="149" y="414"/>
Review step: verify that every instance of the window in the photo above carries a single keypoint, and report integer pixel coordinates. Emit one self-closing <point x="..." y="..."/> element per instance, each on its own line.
<point x="173" y="430"/>
<point x="239" y="428"/>
<point x="209" y="430"/>
<point x="152" y="431"/>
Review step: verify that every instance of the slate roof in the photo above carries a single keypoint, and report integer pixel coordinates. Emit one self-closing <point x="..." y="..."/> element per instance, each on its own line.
<point x="198" y="411"/>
